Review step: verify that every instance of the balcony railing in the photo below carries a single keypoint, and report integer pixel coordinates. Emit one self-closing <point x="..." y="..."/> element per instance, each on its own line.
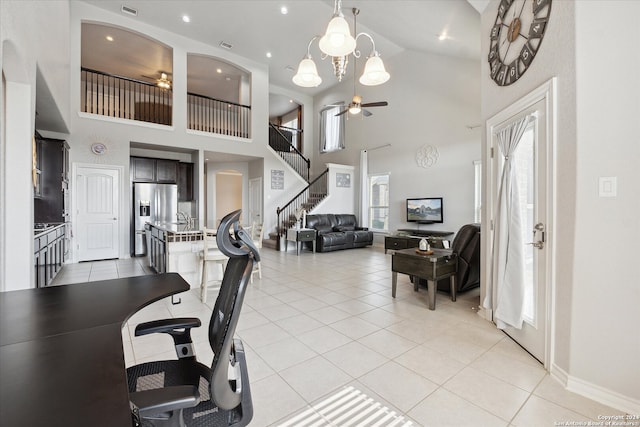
<point x="116" y="96"/>
<point x="121" y="97"/>
<point x="222" y="117"/>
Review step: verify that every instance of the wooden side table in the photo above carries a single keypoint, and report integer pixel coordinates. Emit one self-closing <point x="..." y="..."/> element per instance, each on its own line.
<point x="439" y="265"/>
<point x="299" y="235"/>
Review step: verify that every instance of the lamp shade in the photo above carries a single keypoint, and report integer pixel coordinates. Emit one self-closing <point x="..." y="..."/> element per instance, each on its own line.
<point x="337" y="40"/>
<point x="374" y="72"/>
<point x="307" y="75"/>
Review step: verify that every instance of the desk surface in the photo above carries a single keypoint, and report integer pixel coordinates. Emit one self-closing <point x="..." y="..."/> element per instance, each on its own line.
<point x="61" y="357"/>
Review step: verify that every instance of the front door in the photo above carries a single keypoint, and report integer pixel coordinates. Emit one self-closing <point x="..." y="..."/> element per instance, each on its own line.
<point x="97" y="212"/>
<point x="532" y="163"/>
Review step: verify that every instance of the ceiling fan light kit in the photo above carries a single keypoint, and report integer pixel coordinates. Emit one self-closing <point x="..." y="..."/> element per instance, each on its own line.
<point x="164" y="82"/>
<point x="338" y="43"/>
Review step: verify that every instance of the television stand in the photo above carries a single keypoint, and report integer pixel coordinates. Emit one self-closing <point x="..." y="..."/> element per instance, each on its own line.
<point x="410" y="238"/>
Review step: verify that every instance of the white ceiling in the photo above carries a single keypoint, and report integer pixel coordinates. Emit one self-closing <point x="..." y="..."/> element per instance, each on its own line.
<point x="255" y="27"/>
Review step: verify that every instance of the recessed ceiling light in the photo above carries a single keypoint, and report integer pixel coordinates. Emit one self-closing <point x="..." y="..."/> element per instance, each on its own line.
<point x="284" y="10"/>
<point x="109" y="38"/>
<point x="268" y="54"/>
<point x="291" y="101"/>
<point x="443" y="36"/>
<point x="219" y="70"/>
<point x="185" y="18"/>
<point x="228" y="79"/>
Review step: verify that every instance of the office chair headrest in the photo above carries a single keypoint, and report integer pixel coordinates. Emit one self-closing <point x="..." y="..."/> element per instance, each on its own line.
<point x="240" y="244"/>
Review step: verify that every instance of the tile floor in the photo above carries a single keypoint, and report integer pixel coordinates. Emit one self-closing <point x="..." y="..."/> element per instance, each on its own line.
<point x="318" y="327"/>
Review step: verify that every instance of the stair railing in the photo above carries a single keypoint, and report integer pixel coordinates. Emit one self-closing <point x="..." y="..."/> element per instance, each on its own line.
<point x="308" y="198"/>
<point x="283" y="146"/>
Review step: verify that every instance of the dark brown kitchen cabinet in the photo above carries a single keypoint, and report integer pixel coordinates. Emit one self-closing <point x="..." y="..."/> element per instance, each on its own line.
<point x="166" y="171"/>
<point x="51" y="195"/>
<point x="49" y="248"/>
<point x="145" y="169"/>
<point x="185" y="182"/>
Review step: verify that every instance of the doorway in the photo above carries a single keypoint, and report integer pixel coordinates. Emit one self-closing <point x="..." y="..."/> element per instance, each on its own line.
<point x="228" y="192"/>
<point x="97" y="211"/>
<point x="520" y="244"/>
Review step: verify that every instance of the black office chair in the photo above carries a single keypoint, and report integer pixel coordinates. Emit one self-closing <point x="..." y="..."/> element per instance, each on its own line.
<point x="184" y="392"/>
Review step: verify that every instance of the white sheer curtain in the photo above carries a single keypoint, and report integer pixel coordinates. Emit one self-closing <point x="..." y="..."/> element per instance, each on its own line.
<point x="364" y="188"/>
<point x="331" y="130"/>
<point x="505" y="292"/>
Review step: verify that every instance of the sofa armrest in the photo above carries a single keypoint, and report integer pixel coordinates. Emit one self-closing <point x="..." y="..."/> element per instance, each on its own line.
<point x="362" y="228"/>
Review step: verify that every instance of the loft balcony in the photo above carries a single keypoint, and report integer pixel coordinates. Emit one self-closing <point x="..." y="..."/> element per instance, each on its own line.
<point x="125" y="98"/>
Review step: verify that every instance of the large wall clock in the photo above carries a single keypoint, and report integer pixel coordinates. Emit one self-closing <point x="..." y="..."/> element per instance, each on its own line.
<point x="516" y="37"/>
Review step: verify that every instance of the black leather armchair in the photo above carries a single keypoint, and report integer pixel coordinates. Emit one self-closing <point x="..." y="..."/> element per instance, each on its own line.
<point x="185" y="392"/>
<point x="466" y="245"/>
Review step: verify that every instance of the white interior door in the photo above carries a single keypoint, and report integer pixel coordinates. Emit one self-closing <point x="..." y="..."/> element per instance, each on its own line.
<point x="97" y="212"/>
<point x="255" y="200"/>
<point x="532" y="161"/>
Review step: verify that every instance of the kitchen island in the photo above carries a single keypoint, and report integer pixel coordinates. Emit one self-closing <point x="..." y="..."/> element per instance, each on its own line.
<point x="176" y="247"/>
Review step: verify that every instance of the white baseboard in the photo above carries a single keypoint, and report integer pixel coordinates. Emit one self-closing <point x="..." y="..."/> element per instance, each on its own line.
<point x="486" y="314"/>
<point x="595" y="392"/>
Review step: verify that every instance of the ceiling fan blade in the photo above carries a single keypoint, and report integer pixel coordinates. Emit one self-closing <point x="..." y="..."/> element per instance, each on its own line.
<point x="376" y="104"/>
<point x="342" y="112"/>
<point x="366" y="113"/>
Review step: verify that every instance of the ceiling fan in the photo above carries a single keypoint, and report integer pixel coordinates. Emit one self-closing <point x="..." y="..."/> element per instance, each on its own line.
<point x="356" y="106"/>
<point x="162" y="82"/>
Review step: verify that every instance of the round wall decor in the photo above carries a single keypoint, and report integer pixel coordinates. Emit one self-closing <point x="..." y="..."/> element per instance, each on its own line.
<point x="427" y="156"/>
<point x="98" y="148"/>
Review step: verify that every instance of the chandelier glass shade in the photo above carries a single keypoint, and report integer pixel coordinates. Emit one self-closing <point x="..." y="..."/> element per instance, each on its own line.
<point x="164" y="82"/>
<point x="338" y="43"/>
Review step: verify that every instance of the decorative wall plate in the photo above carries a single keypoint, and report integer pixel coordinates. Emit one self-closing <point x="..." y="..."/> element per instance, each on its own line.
<point x="98" y="148"/>
<point x="427" y="156"/>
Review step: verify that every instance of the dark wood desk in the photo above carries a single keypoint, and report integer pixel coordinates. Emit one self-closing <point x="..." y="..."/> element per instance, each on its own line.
<point x="440" y="265"/>
<point x="61" y="357"/>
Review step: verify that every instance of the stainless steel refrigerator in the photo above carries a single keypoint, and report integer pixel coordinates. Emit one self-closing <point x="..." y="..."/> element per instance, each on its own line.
<point x="151" y="203"/>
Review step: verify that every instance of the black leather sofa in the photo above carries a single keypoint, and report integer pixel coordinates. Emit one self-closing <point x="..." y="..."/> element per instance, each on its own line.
<point x="338" y="231"/>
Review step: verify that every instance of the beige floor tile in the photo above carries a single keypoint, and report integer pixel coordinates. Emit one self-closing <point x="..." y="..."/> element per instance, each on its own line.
<point x="539" y="412"/>
<point x="284" y="354"/>
<point x="354" y="327"/>
<point x="432" y="365"/>
<point x="273" y="399"/>
<point x="328" y="315"/>
<point x="299" y="324"/>
<point x="387" y="343"/>
<point x="323" y="339"/>
<point x="493" y="395"/>
<point x="315" y="377"/>
<point x="513" y="371"/>
<point x="551" y="390"/>
<point x="443" y="408"/>
<point x="355" y="359"/>
<point x="262" y="335"/>
<point x="399" y="385"/>
<point x="279" y="311"/>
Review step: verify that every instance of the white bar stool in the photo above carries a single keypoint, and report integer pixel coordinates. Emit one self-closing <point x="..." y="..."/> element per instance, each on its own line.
<point x="210" y="253"/>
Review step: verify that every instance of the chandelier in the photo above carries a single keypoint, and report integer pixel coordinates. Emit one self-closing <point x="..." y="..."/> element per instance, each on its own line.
<point x="338" y="43"/>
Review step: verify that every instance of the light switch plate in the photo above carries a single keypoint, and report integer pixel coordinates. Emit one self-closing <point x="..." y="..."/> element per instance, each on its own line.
<point x="608" y="186"/>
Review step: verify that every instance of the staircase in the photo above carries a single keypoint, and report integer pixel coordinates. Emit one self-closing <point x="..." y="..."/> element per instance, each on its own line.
<point x="280" y="140"/>
<point x="307" y="199"/>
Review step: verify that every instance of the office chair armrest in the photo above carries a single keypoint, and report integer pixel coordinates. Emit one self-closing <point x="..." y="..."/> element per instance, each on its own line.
<point x="167" y="325"/>
<point x="178" y="328"/>
<point x="164" y="400"/>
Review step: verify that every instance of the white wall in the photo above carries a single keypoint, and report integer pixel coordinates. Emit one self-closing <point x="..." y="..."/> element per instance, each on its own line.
<point x="606" y="292"/>
<point x="432" y="99"/>
<point x="24" y="50"/>
<point x="595" y="346"/>
<point x="339" y="200"/>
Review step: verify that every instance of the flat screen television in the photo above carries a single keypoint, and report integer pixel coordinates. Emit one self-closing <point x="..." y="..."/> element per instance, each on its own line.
<point x="426" y="210"/>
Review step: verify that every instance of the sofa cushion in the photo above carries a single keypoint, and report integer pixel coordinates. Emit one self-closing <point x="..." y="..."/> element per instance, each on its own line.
<point x="323" y="229"/>
<point x="344" y="228"/>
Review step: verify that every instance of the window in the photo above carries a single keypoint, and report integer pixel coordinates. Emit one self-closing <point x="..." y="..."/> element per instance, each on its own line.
<point x="379" y="202"/>
<point x="331" y="129"/>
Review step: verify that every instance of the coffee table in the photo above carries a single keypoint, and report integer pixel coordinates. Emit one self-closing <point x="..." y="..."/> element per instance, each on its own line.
<point x="442" y="263"/>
